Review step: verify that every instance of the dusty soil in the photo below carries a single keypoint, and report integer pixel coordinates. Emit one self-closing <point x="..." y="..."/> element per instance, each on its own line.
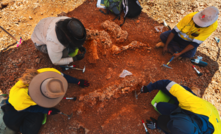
<point x="108" y="105"/>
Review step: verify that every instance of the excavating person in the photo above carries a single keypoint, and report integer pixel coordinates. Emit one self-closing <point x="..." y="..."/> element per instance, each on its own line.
<point x="35" y="94"/>
<point x="60" y="38"/>
<point x="188" y="115"/>
<point x="189" y="33"/>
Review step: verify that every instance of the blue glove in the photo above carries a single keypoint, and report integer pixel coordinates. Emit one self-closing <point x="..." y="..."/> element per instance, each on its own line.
<point x="151" y="124"/>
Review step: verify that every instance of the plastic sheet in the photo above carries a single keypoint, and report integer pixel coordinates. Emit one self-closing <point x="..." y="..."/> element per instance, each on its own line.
<point x="159" y="28"/>
<point x="125" y="73"/>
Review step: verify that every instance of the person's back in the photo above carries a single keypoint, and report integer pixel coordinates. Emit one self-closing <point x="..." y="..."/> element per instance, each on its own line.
<point x="190" y="112"/>
<point x="60" y="38"/>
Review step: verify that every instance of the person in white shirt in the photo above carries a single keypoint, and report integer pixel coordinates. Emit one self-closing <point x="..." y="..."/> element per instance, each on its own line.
<point x="60" y="38"/>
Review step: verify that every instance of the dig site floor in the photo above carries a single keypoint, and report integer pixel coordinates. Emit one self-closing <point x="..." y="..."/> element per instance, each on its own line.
<point x="108" y="105"/>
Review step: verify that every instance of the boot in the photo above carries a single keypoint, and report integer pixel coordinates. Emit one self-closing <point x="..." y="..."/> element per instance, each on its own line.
<point x="160" y="44"/>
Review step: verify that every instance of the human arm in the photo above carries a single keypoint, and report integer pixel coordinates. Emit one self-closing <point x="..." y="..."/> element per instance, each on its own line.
<point x="186" y="49"/>
<point x="161" y="85"/>
<point x="187" y="100"/>
<point x="55" y="52"/>
<point x="39" y="109"/>
<point x="36" y="109"/>
<point x="170" y="37"/>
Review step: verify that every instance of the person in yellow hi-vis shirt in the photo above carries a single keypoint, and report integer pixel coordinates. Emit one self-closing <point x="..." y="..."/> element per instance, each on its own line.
<point x="189" y="33"/>
<point x="35" y="94"/>
<point x="188" y="114"/>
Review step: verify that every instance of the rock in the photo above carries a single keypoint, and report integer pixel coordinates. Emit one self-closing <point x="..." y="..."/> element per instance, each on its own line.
<point x="38" y="60"/>
<point x="62" y="14"/>
<point x="134" y="44"/>
<point x="5" y="3"/>
<point x="207" y="71"/>
<point x="182" y="11"/>
<point x="81" y="98"/>
<point x="201" y="4"/>
<point x="115" y="30"/>
<point x="109" y="73"/>
<point x="93" y="52"/>
<point x="30" y="17"/>
<point x="196" y="90"/>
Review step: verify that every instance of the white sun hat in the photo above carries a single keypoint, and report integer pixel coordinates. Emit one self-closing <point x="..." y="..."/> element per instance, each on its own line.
<point x="206" y="17"/>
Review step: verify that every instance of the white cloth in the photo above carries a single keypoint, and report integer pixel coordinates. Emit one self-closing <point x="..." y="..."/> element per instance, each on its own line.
<point x="44" y="34"/>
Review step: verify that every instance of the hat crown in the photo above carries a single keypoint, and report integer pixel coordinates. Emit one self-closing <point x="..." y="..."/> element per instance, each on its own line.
<point x="209" y="14"/>
<point x="52" y="88"/>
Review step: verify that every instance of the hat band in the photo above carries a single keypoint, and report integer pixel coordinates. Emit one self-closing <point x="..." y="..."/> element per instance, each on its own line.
<point x="41" y="90"/>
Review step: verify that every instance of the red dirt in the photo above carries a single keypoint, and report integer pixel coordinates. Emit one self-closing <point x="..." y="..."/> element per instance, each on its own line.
<point x="121" y="113"/>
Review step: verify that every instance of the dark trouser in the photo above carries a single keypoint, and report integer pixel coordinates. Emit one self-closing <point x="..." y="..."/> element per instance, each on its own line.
<point x="174" y="46"/>
<point x="166" y="109"/>
<point x="27" y="122"/>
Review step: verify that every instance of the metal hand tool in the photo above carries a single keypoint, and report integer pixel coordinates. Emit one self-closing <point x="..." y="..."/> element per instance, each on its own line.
<point x="69" y="116"/>
<point x="73" y="67"/>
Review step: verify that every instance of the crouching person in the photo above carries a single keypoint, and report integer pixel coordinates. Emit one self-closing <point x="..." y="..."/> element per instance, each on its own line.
<point x="36" y="93"/>
<point x="188" y="115"/>
<point x="61" y="38"/>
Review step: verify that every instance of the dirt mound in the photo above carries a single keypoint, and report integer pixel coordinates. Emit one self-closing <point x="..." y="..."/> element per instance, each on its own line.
<point x="115" y="31"/>
<point x="108" y="105"/>
<point x="132" y="45"/>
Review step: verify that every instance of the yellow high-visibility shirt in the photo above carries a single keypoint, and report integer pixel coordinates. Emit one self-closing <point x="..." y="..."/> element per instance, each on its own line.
<point x="186" y="29"/>
<point x="18" y="96"/>
<point x="194" y="104"/>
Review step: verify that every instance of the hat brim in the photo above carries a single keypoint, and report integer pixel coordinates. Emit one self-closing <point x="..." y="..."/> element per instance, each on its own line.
<point x="200" y="23"/>
<point x="77" y="42"/>
<point x="36" y="94"/>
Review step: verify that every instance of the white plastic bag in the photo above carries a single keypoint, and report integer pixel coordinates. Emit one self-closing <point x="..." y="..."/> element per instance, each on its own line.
<point x="125" y="73"/>
<point x="159" y="28"/>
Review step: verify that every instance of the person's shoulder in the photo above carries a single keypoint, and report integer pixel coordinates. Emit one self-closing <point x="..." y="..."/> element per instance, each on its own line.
<point x="190" y="15"/>
<point x="212" y="27"/>
<point x="215" y="24"/>
<point x="48" y="69"/>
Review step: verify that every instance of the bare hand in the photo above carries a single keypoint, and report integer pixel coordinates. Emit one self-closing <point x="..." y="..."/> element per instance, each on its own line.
<point x="176" y="55"/>
<point x="164" y="49"/>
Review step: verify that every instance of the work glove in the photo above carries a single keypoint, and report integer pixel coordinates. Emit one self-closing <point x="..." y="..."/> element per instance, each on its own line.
<point x="53" y="111"/>
<point x="80" y="56"/>
<point x="83" y="83"/>
<point x="151" y="124"/>
<point x="145" y="89"/>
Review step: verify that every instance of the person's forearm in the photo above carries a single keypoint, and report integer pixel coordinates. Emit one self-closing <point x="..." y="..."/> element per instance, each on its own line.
<point x="170" y="37"/>
<point x="70" y="79"/>
<point x="161" y="85"/>
<point x="188" y="48"/>
<point x="36" y="109"/>
<point x="63" y="61"/>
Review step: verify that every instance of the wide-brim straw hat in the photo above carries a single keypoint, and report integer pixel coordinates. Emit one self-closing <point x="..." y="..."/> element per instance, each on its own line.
<point x="206" y="17"/>
<point x="47" y="89"/>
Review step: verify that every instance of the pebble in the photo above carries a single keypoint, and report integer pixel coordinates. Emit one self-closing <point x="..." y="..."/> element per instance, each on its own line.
<point x="182" y="11"/>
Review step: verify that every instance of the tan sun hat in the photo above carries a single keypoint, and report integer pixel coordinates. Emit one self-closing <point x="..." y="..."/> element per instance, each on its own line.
<point x="47" y="89"/>
<point x="206" y="17"/>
